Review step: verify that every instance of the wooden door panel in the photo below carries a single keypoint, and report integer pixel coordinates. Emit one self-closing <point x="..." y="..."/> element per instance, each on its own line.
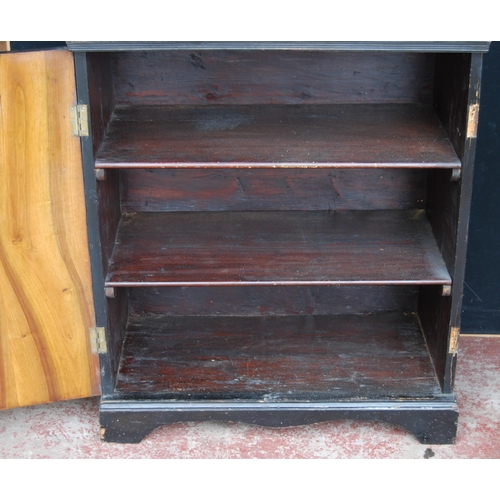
<point x="46" y="306"/>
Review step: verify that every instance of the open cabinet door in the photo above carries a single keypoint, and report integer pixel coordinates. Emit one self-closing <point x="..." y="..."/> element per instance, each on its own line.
<point x="46" y="305"/>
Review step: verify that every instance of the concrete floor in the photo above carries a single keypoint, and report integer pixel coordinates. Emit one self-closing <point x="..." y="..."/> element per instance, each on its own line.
<point x="71" y="429"/>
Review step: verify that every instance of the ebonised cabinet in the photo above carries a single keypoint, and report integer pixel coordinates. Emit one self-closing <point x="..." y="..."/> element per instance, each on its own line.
<point x="278" y="231"/>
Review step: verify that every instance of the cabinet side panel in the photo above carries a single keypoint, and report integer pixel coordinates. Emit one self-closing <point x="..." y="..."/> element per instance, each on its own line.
<point x="101" y="103"/>
<point x="451" y="99"/>
<point x="46" y="304"/>
<point x="451" y="96"/>
<point x="103" y="206"/>
<point x="434" y="313"/>
<point x="101" y="95"/>
<point x="271" y="77"/>
<point x="108" y="192"/>
<point x="448" y="204"/>
<point x="108" y="195"/>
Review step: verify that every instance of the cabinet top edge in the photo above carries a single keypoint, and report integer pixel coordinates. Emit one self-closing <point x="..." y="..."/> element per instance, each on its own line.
<point x="326" y="46"/>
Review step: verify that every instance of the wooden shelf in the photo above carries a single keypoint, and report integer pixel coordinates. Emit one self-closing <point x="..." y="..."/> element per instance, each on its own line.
<point x="277" y="247"/>
<point x="328" y="136"/>
<point x="287" y="358"/>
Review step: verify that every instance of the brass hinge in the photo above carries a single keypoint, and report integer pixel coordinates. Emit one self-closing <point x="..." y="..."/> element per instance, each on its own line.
<point x="455" y="333"/>
<point x="473" y="121"/>
<point x="80" y="120"/>
<point x="98" y="340"/>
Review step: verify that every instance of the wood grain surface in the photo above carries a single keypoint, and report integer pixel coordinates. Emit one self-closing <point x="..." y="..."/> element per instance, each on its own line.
<point x="270" y="300"/>
<point x="214" y="189"/>
<point x="46" y="305"/>
<point x="285" y="358"/>
<point x="342" y="135"/>
<point x="267" y="77"/>
<point x="271" y="248"/>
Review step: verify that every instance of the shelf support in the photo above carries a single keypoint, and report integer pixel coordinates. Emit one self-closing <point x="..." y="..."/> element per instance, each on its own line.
<point x="100" y="174"/>
<point x="456" y="173"/>
<point x="109" y="291"/>
<point x="446" y="292"/>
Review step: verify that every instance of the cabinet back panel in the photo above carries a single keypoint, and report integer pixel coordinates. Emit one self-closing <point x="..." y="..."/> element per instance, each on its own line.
<point x="272" y="77"/>
<point x="157" y="190"/>
<point x="268" y="301"/>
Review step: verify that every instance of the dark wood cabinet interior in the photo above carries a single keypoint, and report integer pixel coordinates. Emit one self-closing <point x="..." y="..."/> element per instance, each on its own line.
<point x="282" y="232"/>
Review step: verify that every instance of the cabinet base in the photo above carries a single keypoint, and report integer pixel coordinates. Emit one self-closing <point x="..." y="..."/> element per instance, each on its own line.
<point x="431" y="422"/>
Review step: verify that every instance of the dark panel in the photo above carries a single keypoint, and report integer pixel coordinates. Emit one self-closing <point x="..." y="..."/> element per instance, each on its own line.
<point x="268" y="301"/>
<point x="276" y="358"/>
<point x="457" y="84"/>
<point x="270" y="77"/>
<point x="481" y="306"/>
<point x="452" y="96"/>
<point x="318" y="136"/>
<point x="117" y="309"/>
<point x="271" y="189"/>
<point x="448" y="211"/>
<point x="15" y="46"/>
<point x="237" y="248"/>
<point x="92" y="207"/>
<point x="100" y="95"/>
<point x="435" y="314"/>
<point x="465" y="194"/>
<point x="108" y="192"/>
<point x="443" y="203"/>
<point x="110" y="212"/>
<point x="480" y="320"/>
<point x="101" y="102"/>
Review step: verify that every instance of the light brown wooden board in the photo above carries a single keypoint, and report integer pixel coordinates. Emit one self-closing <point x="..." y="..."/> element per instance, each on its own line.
<point x="46" y="306"/>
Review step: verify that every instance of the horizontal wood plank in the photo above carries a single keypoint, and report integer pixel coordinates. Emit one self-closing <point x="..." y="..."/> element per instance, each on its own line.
<point x="348" y="135"/>
<point x="270" y="300"/>
<point x="221" y="77"/>
<point x="276" y="358"/>
<point x="261" y="248"/>
<point x="218" y="189"/>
